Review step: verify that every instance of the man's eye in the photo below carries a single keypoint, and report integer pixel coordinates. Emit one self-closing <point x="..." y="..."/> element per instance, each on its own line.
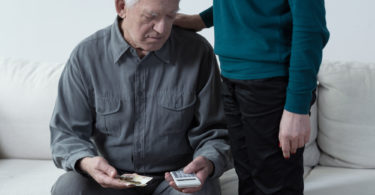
<point x="171" y="16"/>
<point x="148" y="17"/>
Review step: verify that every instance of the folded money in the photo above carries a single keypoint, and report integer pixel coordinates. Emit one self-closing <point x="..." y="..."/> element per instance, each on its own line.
<point x="134" y="179"/>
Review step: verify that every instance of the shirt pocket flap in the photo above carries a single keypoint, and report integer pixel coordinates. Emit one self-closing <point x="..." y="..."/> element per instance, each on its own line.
<point x="176" y="102"/>
<point x="105" y="105"/>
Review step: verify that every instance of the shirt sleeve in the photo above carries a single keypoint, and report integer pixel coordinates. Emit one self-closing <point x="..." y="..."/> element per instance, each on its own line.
<point x="209" y="136"/>
<point x="208" y="17"/>
<point x="309" y="37"/>
<point x="71" y="122"/>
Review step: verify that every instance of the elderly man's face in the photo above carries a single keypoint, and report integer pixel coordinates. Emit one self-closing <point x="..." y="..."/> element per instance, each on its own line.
<point x="147" y="24"/>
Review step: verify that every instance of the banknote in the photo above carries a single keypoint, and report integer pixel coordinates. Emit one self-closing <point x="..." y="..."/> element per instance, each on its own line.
<point x="134" y="179"/>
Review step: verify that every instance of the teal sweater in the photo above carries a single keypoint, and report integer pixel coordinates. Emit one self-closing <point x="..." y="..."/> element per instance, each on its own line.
<point x="257" y="39"/>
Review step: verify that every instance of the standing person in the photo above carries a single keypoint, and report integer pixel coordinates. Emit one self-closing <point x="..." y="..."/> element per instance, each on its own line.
<point x="140" y="97"/>
<point x="270" y="53"/>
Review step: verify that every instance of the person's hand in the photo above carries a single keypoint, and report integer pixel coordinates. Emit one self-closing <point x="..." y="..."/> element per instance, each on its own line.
<point x="103" y="173"/>
<point x="201" y="166"/>
<point x="193" y="22"/>
<point x="294" y="132"/>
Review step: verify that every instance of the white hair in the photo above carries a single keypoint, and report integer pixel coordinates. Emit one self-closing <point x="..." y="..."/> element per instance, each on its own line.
<point x="130" y="3"/>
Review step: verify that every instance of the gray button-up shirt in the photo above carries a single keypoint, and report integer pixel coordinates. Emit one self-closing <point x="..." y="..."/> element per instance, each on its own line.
<point x="147" y="115"/>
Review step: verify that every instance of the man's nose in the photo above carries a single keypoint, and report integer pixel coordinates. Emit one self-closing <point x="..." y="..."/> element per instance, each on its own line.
<point x="160" y="26"/>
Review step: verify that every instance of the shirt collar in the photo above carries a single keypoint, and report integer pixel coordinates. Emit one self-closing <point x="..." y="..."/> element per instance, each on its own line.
<point x="119" y="45"/>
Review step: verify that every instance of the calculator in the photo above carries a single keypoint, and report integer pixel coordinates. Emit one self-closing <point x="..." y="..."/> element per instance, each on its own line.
<point x="184" y="180"/>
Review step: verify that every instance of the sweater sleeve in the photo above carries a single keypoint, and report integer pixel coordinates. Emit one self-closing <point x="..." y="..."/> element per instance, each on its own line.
<point x="309" y="37"/>
<point x="208" y="17"/>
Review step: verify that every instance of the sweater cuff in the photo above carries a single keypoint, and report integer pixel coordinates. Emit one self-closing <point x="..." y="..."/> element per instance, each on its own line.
<point x="298" y="103"/>
<point x="207" y="17"/>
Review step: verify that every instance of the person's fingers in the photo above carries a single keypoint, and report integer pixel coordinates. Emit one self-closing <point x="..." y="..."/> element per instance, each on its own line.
<point x="191" y="190"/>
<point x="111" y="172"/>
<point x="108" y="182"/>
<point x="301" y="142"/>
<point x="194" y="166"/>
<point x="285" y="146"/>
<point x="294" y="145"/>
<point x="118" y="184"/>
<point x="107" y="169"/>
<point x="102" y="179"/>
<point x="104" y="174"/>
<point x="202" y="175"/>
<point x="168" y="177"/>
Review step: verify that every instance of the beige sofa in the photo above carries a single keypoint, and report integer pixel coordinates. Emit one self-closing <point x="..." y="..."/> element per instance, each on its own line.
<point x="340" y="162"/>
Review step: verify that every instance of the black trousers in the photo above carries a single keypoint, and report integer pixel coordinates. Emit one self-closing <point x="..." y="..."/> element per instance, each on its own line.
<point x="253" y="110"/>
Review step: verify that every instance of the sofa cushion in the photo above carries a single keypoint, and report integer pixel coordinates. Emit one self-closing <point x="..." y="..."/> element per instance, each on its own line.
<point x="311" y="154"/>
<point x="229" y="181"/>
<point x="346" y="114"/>
<point x="28" y="93"/>
<point x="32" y="177"/>
<point x="340" y="181"/>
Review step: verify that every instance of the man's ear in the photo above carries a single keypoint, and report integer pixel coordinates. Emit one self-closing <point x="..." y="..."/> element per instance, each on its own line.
<point x="120" y="8"/>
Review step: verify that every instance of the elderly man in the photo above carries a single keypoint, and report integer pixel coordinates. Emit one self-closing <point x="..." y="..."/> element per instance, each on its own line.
<point x="139" y="97"/>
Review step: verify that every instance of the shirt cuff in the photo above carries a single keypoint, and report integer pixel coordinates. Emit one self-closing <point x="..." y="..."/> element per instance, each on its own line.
<point x="220" y="164"/>
<point x="74" y="159"/>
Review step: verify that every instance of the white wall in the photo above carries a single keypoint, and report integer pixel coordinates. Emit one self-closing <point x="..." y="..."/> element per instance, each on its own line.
<point x="352" y="27"/>
<point x="47" y="30"/>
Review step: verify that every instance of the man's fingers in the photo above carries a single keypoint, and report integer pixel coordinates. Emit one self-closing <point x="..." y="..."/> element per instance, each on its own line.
<point x="107" y="169"/>
<point x="194" y="166"/>
<point x="108" y="182"/>
<point x="168" y="177"/>
<point x="104" y="173"/>
<point x="110" y="171"/>
<point x="191" y="190"/>
<point x="102" y="179"/>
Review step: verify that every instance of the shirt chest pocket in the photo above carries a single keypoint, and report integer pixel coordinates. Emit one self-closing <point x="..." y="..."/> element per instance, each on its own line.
<point x="108" y="118"/>
<point x="175" y="112"/>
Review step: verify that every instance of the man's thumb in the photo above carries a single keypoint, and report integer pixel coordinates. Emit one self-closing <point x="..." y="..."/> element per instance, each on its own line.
<point x="109" y="170"/>
<point x="192" y="167"/>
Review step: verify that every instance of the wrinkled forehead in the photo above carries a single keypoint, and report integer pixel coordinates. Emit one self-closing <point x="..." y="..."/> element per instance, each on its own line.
<point x="157" y="6"/>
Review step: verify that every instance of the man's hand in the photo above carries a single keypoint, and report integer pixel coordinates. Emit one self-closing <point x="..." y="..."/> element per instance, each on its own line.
<point x="193" y="22"/>
<point x="201" y="166"/>
<point x="103" y="173"/>
<point x="294" y="132"/>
